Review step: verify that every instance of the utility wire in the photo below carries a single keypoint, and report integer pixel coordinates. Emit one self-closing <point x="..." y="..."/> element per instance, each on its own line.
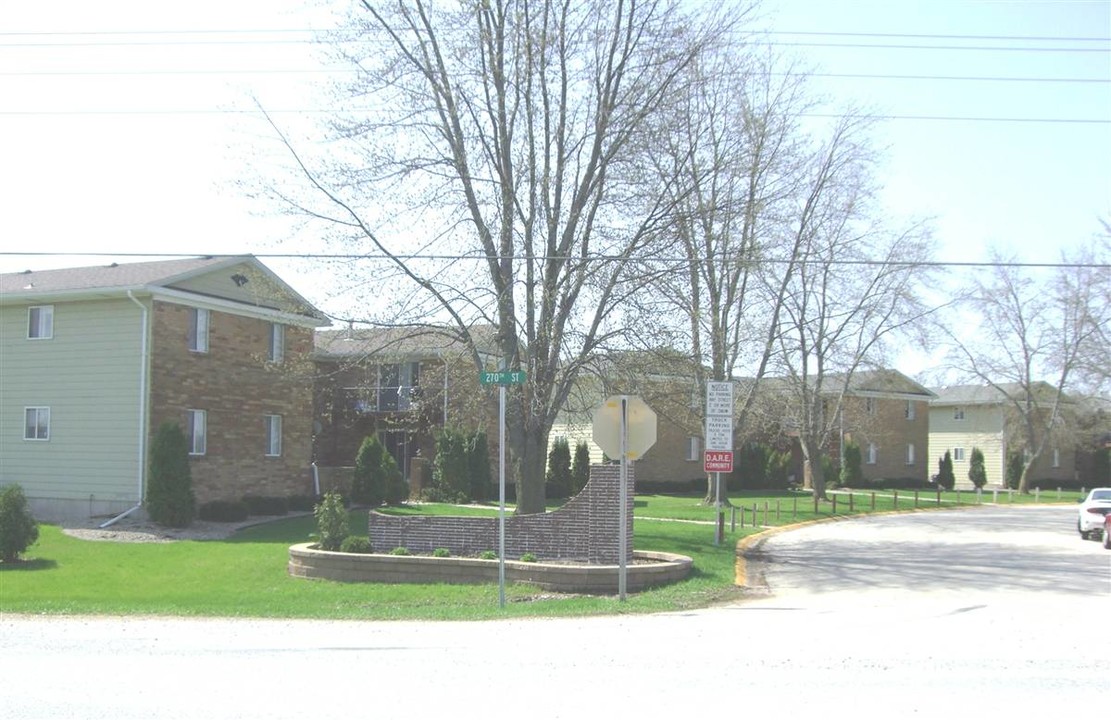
<point x="545" y="258"/>
<point x="289" y="111"/>
<point x="352" y="71"/>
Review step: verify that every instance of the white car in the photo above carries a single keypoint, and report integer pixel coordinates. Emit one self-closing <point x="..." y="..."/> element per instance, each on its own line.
<point x="1089" y="517"/>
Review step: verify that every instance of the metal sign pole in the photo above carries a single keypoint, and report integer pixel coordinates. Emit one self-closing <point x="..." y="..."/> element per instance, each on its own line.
<point x="720" y="525"/>
<point x="623" y="495"/>
<point x="501" y="496"/>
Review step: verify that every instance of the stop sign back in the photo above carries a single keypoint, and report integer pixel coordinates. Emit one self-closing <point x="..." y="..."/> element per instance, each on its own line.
<point x="640" y="426"/>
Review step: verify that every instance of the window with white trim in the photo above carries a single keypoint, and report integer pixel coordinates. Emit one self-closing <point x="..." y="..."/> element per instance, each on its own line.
<point x="40" y="322"/>
<point x="694" y="448"/>
<point x="910" y="453"/>
<point x="958" y="454"/>
<point x="910" y="410"/>
<point x="198" y="330"/>
<point x="196" y="429"/>
<point x="273" y="424"/>
<point x="873" y="454"/>
<point x="1056" y="458"/>
<point x="958" y="413"/>
<point x="36" y="423"/>
<point x="277" y="342"/>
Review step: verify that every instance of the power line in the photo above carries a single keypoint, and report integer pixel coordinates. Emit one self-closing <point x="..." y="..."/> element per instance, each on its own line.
<point x="305" y="111"/>
<point x="352" y="71"/>
<point x="809" y="33"/>
<point x="544" y="258"/>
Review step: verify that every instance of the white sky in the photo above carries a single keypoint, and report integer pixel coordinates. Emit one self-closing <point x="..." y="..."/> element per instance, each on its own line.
<point x="116" y="135"/>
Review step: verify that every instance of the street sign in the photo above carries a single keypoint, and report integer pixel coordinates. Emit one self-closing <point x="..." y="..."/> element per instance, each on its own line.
<point x="719" y="398"/>
<point x="640" y="423"/>
<point x="719" y="433"/>
<point x="717" y="461"/>
<point x="503" y="377"/>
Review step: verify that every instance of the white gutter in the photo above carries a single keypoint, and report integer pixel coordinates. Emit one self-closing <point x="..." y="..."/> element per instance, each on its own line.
<point x="144" y="352"/>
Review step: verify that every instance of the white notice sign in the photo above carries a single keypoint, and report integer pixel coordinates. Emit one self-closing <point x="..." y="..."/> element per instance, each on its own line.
<point x="719" y="398"/>
<point x="719" y="433"/>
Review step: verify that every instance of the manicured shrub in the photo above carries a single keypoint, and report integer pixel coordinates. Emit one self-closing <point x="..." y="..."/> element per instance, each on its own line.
<point x="331" y="521"/>
<point x="1014" y="469"/>
<point x="977" y="474"/>
<point x="450" y="471"/>
<point x="580" y="468"/>
<point x="558" y="480"/>
<point x="778" y="469"/>
<point x="266" y="505"/>
<point x="750" y="469"/>
<point x="400" y="551"/>
<point x="223" y="511"/>
<point x="945" y="477"/>
<point x="487" y="555"/>
<point x="170" y="499"/>
<point x="528" y="557"/>
<point x="852" y="474"/>
<point x="441" y="552"/>
<point x="478" y="467"/>
<point x="18" y="529"/>
<point x="355" y="544"/>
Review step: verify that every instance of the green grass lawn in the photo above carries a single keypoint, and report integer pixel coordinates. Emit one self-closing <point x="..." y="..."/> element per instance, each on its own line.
<point x="246" y="574"/>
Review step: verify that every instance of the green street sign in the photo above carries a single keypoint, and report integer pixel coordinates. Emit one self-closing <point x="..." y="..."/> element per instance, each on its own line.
<point x="503" y="377"/>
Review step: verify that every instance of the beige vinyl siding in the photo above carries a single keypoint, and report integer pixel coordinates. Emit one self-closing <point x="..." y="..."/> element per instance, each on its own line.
<point x="88" y="375"/>
<point x="982" y="428"/>
<point x="259" y="289"/>
<point x="576" y="433"/>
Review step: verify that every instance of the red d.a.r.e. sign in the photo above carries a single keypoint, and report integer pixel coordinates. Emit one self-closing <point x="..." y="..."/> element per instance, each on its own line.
<point x="717" y="461"/>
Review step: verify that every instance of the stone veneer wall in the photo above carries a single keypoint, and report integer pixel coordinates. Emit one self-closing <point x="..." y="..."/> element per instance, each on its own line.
<point x="585" y="529"/>
<point x="235" y="384"/>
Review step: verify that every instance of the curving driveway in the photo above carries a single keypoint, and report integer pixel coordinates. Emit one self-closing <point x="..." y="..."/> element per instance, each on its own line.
<point x="992" y="551"/>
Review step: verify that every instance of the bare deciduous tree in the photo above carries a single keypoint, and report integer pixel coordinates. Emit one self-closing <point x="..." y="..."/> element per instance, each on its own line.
<point x="502" y="137"/>
<point x="847" y="288"/>
<point x="1031" y="343"/>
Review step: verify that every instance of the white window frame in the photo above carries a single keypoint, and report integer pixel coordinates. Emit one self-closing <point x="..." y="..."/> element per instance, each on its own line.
<point x="273" y="425"/>
<point x="38" y="412"/>
<point x="694" y="448"/>
<point x="197" y="431"/>
<point x="958" y="454"/>
<point x="910" y="454"/>
<point x="1056" y="457"/>
<point x="958" y="413"/>
<point x="873" y="454"/>
<point x="277" y="343"/>
<point x="40" y="322"/>
<point x="200" y="320"/>
<point x="910" y="411"/>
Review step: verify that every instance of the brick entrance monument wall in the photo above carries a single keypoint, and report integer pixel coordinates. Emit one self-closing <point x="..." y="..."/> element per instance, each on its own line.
<point x="585" y="529"/>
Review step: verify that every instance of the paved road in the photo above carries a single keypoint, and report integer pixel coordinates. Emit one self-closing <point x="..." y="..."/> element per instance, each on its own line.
<point x="958" y="619"/>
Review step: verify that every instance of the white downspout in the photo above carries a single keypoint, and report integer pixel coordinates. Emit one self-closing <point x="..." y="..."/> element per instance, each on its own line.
<point x="144" y="352"/>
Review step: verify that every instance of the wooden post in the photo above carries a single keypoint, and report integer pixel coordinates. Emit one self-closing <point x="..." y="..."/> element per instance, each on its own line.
<point x="834" y="504"/>
<point x="896" y="506"/>
<point x="794" y="506"/>
<point x="850" y="501"/>
<point x="777" y="510"/>
<point x="873" y="501"/>
<point x="765" y="512"/>
<point x="915" y="499"/>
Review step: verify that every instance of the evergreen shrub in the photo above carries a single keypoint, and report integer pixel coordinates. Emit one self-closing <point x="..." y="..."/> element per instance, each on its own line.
<point x="18" y="529"/>
<point x="170" y="499"/>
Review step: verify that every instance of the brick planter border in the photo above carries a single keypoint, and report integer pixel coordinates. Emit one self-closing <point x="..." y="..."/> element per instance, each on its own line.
<point x="651" y="569"/>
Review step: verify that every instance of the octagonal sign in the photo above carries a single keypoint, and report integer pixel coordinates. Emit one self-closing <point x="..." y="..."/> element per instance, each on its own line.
<point x="640" y="426"/>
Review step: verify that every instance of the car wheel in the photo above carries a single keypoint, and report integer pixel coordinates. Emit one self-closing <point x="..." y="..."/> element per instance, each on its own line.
<point x="1106" y="540"/>
<point x="1084" y="534"/>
